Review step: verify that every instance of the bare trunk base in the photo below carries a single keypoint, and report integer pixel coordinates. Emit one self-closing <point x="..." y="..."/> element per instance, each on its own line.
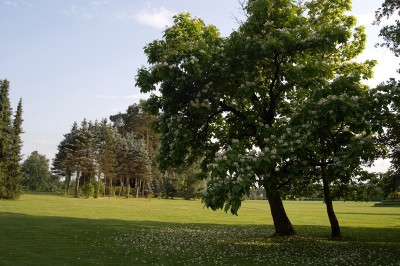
<point x="335" y="228"/>
<point x="283" y="226"/>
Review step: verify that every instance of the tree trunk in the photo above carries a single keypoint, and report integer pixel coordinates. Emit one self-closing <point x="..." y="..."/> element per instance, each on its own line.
<point x="110" y="194"/>
<point x="128" y="187"/>
<point x="121" y="187"/>
<point x="335" y="228"/>
<point x="136" y="187"/>
<point x="67" y="183"/>
<point x="283" y="226"/>
<point x="142" y="183"/>
<point x="77" y="184"/>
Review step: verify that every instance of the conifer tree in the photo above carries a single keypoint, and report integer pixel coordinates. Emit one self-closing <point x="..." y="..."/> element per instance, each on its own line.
<point x="63" y="163"/>
<point x="106" y="153"/>
<point x="5" y="134"/>
<point x="14" y="187"/>
<point x="10" y="145"/>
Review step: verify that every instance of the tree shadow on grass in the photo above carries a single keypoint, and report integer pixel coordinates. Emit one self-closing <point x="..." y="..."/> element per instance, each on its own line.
<point x="47" y="240"/>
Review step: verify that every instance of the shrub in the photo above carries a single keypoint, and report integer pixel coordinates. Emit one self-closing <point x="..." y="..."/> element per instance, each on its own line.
<point x="88" y="190"/>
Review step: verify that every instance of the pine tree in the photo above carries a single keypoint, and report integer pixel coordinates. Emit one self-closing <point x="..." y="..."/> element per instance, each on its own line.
<point x="63" y="163"/>
<point x="107" y="153"/>
<point x="5" y="134"/>
<point x="10" y="146"/>
<point x="14" y="187"/>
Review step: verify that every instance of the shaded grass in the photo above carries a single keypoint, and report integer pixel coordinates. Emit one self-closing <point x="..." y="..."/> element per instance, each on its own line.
<point x="53" y="230"/>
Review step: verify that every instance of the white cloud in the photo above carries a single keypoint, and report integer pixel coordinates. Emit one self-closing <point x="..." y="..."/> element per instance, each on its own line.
<point x="99" y="3"/>
<point x="96" y="8"/>
<point x="79" y="11"/>
<point x="11" y="3"/>
<point x="156" y="18"/>
<point x="16" y="3"/>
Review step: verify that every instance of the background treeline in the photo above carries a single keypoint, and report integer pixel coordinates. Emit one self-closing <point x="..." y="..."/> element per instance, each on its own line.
<point x="118" y="158"/>
<point x="379" y="186"/>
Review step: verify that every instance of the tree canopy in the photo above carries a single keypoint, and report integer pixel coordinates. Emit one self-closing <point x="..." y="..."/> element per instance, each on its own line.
<point x="36" y="173"/>
<point x="246" y="105"/>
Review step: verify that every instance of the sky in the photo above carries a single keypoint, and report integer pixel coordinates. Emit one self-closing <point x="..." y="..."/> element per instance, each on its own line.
<point x="75" y="59"/>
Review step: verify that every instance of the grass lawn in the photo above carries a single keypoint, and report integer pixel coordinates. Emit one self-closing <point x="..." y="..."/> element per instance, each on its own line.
<point x="49" y="229"/>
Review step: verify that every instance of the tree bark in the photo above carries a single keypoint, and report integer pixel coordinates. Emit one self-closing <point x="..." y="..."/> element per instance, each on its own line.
<point x="121" y="187"/>
<point x="110" y="192"/>
<point x="77" y="184"/>
<point x="136" y="187"/>
<point x="335" y="228"/>
<point x="67" y="183"/>
<point x="283" y="226"/>
<point x="128" y="186"/>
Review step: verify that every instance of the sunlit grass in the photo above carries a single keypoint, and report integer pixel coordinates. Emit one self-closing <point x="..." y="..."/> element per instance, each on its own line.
<point x="42" y="229"/>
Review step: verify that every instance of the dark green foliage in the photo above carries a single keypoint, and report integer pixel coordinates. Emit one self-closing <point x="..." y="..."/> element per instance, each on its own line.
<point x="36" y="173"/>
<point x="390" y="33"/>
<point x="89" y="190"/>
<point x="96" y="153"/>
<point x="390" y="183"/>
<point x="229" y="102"/>
<point x="10" y="146"/>
<point x="389" y="97"/>
<point x="387" y="109"/>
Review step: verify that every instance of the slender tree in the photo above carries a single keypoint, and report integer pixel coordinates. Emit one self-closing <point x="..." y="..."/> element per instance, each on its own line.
<point x="10" y="145"/>
<point x="14" y="171"/>
<point x="5" y="136"/>
<point x="63" y="163"/>
<point x="83" y="154"/>
<point x="107" y="153"/>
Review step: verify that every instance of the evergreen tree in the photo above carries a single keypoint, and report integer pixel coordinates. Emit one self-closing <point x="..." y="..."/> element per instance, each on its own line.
<point x="63" y="162"/>
<point x="10" y="145"/>
<point x="14" y="186"/>
<point x="83" y="155"/>
<point x="137" y="122"/>
<point x="5" y="133"/>
<point x="107" y="153"/>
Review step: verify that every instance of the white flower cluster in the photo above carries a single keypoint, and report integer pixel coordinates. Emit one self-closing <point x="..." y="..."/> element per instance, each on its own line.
<point x="247" y="84"/>
<point x="284" y="30"/>
<point x="165" y="64"/>
<point x="193" y="59"/>
<point x="197" y="104"/>
<point x="267" y="23"/>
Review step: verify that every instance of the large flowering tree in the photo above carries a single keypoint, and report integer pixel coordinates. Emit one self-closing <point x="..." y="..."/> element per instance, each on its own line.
<point x="235" y="103"/>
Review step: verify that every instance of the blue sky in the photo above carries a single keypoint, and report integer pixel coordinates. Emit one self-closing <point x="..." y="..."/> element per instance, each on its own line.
<point x="75" y="59"/>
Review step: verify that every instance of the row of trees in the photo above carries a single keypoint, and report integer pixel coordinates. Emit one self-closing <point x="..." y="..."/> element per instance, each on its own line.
<point x="279" y="104"/>
<point x="98" y="152"/>
<point x="10" y="145"/>
<point x="108" y="158"/>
